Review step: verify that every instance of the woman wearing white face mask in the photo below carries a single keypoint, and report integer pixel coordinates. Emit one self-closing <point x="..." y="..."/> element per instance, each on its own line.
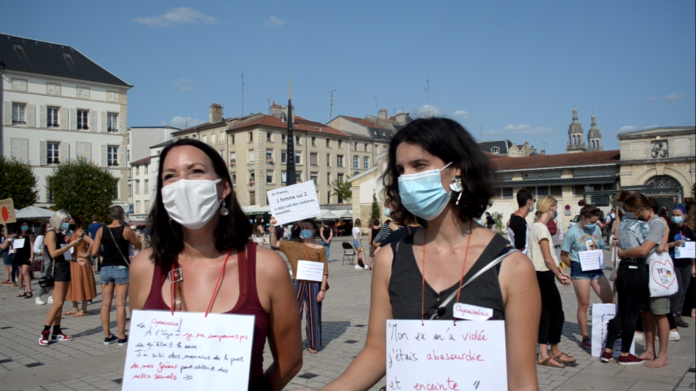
<point x="437" y="173"/>
<point x="199" y="235"/>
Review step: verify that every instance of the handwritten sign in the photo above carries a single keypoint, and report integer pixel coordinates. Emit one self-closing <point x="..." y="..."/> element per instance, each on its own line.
<point x="188" y="351"/>
<point x="442" y="356"/>
<point x="471" y="312"/>
<point x="592" y="260"/>
<point x="688" y="250"/>
<point x="310" y="271"/>
<point x="18" y="243"/>
<point x="294" y="203"/>
<point x="7" y="211"/>
<point x="68" y="254"/>
<point x="601" y="315"/>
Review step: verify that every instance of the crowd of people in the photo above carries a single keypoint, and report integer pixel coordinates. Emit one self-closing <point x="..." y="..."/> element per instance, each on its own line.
<point x="437" y="186"/>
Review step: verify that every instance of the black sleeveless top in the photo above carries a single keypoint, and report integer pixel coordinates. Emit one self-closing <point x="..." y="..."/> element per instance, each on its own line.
<point x="405" y="285"/>
<point x="60" y="239"/>
<point x="112" y="256"/>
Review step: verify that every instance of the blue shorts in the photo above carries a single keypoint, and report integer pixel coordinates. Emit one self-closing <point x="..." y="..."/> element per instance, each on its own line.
<point x="576" y="272"/>
<point x="117" y="274"/>
<point x="356" y="244"/>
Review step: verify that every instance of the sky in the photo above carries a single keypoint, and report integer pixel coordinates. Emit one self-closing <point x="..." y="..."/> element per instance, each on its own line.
<point x="503" y="69"/>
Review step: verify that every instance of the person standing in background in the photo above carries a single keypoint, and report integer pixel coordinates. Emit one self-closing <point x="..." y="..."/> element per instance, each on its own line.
<point x="517" y="227"/>
<point x="24" y="253"/>
<point x="685" y="268"/>
<point x="82" y="286"/>
<point x="490" y="222"/>
<point x="92" y="230"/>
<point x="5" y="247"/>
<point x="326" y="234"/>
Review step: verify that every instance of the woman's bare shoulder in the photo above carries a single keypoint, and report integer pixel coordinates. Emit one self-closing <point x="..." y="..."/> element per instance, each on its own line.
<point x="269" y="262"/>
<point x="143" y="261"/>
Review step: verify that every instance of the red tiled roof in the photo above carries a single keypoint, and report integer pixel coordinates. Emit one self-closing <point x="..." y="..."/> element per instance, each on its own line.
<point x="363" y="122"/>
<point x="300" y="124"/>
<point x="561" y="160"/>
<point x="141" y="161"/>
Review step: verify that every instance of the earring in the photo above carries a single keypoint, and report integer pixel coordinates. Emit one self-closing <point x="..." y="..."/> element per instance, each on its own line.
<point x="223" y="210"/>
<point x="456" y="186"/>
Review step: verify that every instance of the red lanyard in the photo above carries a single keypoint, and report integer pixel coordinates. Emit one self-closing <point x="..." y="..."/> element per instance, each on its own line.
<point x="217" y="286"/>
<point x="461" y="279"/>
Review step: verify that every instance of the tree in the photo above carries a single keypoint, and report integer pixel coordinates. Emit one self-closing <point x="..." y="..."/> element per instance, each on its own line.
<point x="498" y="218"/>
<point x="82" y="188"/>
<point x="342" y="190"/>
<point x="375" y="207"/>
<point x="17" y="181"/>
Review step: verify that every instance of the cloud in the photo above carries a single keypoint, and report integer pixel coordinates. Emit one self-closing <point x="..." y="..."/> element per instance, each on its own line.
<point x="672" y="97"/>
<point x="426" y="111"/>
<point x="461" y="113"/>
<point x="653" y="98"/>
<point x="183" y="15"/>
<point x="181" y="122"/>
<point x="627" y="128"/>
<point x="522" y="129"/>
<point x="274" y="22"/>
<point x="185" y="84"/>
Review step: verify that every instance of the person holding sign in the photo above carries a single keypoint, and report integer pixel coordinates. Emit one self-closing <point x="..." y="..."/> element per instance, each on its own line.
<point x="201" y="261"/>
<point x="56" y="247"/>
<point x="310" y="271"/>
<point x="679" y="236"/>
<point x="585" y="236"/>
<point x="547" y="267"/>
<point x="437" y="173"/>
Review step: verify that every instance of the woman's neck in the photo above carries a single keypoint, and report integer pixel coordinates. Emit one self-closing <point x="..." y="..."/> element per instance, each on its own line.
<point x="544" y="218"/>
<point x="200" y="243"/>
<point x="446" y="229"/>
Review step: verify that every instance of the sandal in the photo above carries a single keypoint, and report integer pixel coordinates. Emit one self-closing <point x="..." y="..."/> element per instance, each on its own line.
<point x="312" y="351"/>
<point x="22" y="295"/>
<point x="71" y="312"/>
<point x="548" y="363"/>
<point x="28" y="295"/>
<point x="78" y="314"/>
<point x="570" y="359"/>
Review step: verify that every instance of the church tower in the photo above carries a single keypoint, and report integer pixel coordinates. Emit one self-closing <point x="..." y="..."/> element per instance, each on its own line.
<point x="594" y="136"/>
<point x="576" y="139"/>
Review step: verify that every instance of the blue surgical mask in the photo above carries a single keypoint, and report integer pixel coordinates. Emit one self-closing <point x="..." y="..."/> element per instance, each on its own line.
<point x="386" y="212"/>
<point x="422" y="194"/>
<point x="675" y="219"/>
<point x="305" y="234"/>
<point x="591" y="226"/>
<point x="64" y="226"/>
<point x="25" y="228"/>
<point x="533" y="208"/>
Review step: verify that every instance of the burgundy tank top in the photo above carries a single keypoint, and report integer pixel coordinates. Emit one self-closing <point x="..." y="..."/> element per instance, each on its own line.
<point x="247" y="304"/>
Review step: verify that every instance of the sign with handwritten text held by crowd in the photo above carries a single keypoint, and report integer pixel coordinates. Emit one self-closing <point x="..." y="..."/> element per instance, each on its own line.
<point x="188" y="351"/>
<point x="294" y="203"/>
<point x="443" y="356"/>
<point x="591" y="260"/>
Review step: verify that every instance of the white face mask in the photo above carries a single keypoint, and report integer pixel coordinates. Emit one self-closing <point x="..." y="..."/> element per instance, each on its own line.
<point x="191" y="203"/>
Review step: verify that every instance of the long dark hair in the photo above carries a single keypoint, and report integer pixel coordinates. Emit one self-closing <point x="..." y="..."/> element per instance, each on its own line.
<point x="166" y="238"/>
<point x="449" y="141"/>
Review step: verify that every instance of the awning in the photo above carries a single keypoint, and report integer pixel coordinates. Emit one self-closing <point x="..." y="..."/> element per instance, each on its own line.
<point x="33" y="212"/>
<point x="344" y="214"/>
<point x="328" y="215"/>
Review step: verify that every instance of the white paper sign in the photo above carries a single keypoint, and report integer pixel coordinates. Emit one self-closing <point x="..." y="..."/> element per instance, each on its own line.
<point x="471" y="312"/>
<point x="309" y="271"/>
<point x="601" y="315"/>
<point x="294" y="203"/>
<point x="592" y="260"/>
<point x="686" y="251"/>
<point x="68" y="254"/>
<point x="442" y="356"/>
<point x="18" y="243"/>
<point x="188" y="351"/>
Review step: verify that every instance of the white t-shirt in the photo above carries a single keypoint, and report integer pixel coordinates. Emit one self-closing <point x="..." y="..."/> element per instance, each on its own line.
<point x="356" y="232"/>
<point x="540" y="231"/>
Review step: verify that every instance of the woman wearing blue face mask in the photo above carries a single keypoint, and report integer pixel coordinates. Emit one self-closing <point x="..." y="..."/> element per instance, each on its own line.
<point x="309" y="293"/>
<point x="23" y="256"/>
<point x="679" y="234"/>
<point x="437" y="174"/>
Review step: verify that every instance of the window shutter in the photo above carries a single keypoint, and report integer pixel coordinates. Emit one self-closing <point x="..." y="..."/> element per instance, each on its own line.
<point x="104" y="151"/>
<point x="88" y="152"/>
<point x="122" y="123"/>
<point x="42" y="117"/>
<point x="31" y="116"/>
<point x="64" y="152"/>
<point x="103" y="122"/>
<point x="92" y="120"/>
<point x="124" y="160"/>
<point x="79" y="149"/>
<point x="73" y="119"/>
<point x="15" y="148"/>
<point x="7" y="114"/>
<point x="64" y="118"/>
<point x="24" y="150"/>
<point x="43" y="153"/>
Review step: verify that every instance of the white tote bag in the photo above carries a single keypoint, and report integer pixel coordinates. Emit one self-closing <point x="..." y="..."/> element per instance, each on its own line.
<point x="663" y="280"/>
<point x="601" y="315"/>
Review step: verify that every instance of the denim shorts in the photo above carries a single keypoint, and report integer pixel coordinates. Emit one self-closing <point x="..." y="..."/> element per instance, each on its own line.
<point x="356" y="244"/>
<point x="117" y="274"/>
<point x="576" y="272"/>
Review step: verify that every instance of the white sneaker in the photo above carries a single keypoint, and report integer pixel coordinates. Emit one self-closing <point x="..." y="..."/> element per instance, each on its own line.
<point x="638" y="337"/>
<point x="50" y="299"/>
<point x="674" y="336"/>
<point x="357" y="267"/>
<point x="38" y="301"/>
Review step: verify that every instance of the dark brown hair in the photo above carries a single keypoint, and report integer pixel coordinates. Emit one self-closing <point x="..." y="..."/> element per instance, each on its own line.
<point x="588" y="210"/>
<point x="633" y="200"/>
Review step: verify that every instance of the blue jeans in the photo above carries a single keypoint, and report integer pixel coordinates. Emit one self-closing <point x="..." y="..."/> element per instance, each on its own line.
<point x="117" y="274"/>
<point x="327" y="246"/>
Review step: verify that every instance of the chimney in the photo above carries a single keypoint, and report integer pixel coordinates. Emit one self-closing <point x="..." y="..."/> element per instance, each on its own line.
<point x="401" y="118"/>
<point x="215" y="113"/>
<point x="383" y="114"/>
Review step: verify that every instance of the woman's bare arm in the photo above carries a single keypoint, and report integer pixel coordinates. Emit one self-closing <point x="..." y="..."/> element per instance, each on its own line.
<point x="50" y="243"/>
<point x="129" y="235"/>
<point x="638" y="252"/>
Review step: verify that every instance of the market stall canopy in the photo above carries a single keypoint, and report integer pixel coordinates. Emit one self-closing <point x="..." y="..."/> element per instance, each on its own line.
<point x="344" y="214"/>
<point x="328" y="215"/>
<point x="33" y="212"/>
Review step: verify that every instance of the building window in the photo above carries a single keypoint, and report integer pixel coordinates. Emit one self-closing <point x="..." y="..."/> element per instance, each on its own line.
<point x="297" y="140"/>
<point x="115" y="188"/>
<point x="283" y="138"/>
<point x="298" y="177"/>
<point x="366" y="163"/>
<point x="328" y="160"/>
<point x="298" y="158"/>
<point x="314" y="141"/>
<point x="137" y="187"/>
<point x="112" y="96"/>
<point x="205" y="138"/>
<point x="366" y="148"/>
<point x="252" y="177"/>
<point x="339" y="161"/>
<point x="112" y="156"/>
<point x="355" y="146"/>
<point x="147" y="206"/>
<point x="542" y="191"/>
<point x="19" y="114"/>
<point x="268" y="136"/>
<point x="146" y="168"/>
<point x="213" y="139"/>
<point x="495" y="150"/>
<point x="83" y="119"/>
<point x="356" y="162"/>
<point x="251" y="156"/>
<point x="137" y="170"/>
<point x="340" y="143"/>
<point x="53" y="89"/>
<point x="52" y="115"/>
<point x="269" y="176"/>
<point x="283" y="177"/>
<point x="556" y="191"/>
<point x="146" y="186"/>
<point x="283" y="157"/>
<point x="313" y="158"/>
<point x="251" y="136"/>
<point x="269" y="156"/>
<point x="314" y="176"/>
<point x="233" y="159"/>
<point x="52" y="153"/>
<point x="83" y="92"/>
<point x="328" y="197"/>
<point x="234" y="178"/>
<point x="19" y="85"/>
<point x="232" y="139"/>
<point x="579" y="190"/>
<point x="506" y="193"/>
<point x="137" y="205"/>
<point x="328" y="178"/>
<point x="340" y="177"/>
<point x="112" y="122"/>
<point x="222" y="137"/>
<point x="328" y="143"/>
<point x="252" y="198"/>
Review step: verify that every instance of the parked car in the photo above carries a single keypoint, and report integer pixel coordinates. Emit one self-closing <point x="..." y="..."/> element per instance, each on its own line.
<point x="575" y="220"/>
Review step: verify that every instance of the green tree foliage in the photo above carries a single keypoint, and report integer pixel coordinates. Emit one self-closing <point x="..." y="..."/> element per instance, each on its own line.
<point x="375" y="213"/>
<point x="498" y="218"/>
<point x="82" y="188"/>
<point x="342" y="190"/>
<point x="17" y="181"/>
